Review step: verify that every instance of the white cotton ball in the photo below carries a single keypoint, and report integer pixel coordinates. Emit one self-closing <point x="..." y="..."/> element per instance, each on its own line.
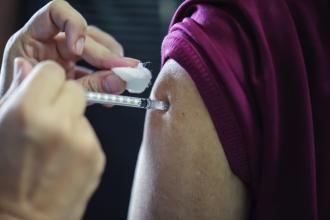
<point x="137" y="79"/>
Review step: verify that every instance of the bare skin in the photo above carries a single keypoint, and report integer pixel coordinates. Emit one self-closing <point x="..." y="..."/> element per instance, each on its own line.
<point x="50" y="158"/>
<point x="58" y="32"/>
<point x="182" y="171"/>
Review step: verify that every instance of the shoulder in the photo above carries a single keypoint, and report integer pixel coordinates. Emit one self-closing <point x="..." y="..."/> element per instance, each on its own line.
<point x="181" y="164"/>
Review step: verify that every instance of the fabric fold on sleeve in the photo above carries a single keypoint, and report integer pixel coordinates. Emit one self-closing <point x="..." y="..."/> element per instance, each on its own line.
<point x="221" y="88"/>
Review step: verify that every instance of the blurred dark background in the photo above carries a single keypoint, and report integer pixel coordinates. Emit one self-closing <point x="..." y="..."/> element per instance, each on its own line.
<point x="139" y="25"/>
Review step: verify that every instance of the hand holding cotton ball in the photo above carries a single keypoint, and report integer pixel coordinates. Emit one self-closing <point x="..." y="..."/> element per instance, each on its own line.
<point x="137" y="79"/>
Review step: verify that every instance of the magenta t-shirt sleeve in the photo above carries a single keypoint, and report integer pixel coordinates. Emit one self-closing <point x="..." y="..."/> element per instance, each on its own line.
<point x="208" y="43"/>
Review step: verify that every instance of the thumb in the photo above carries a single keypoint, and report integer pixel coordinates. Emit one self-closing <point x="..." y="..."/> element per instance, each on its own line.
<point x="22" y="68"/>
<point x="102" y="81"/>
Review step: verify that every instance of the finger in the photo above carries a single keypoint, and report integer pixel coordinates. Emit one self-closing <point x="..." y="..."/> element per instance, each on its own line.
<point x="101" y="57"/>
<point x="94" y="53"/>
<point x="71" y="99"/>
<point x="80" y="71"/>
<point x="105" y="39"/>
<point x="21" y="69"/>
<point x="59" y="16"/>
<point x="24" y="68"/>
<point x="102" y="81"/>
<point x="64" y="51"/>
<point x="43" y="83"/>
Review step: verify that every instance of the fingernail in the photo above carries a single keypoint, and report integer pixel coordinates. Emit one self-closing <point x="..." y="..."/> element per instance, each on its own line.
<point x="80" y="45"/>
<point x="113" y="84"/>
<point x="131" y="61"/>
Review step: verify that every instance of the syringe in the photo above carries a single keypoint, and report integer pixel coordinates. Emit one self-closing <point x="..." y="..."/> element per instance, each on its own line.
<point x="135" y="102"/>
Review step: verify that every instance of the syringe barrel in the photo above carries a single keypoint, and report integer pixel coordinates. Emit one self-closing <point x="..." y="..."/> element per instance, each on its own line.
<point x="135" y="102"/>
<point x="101" y="98"/>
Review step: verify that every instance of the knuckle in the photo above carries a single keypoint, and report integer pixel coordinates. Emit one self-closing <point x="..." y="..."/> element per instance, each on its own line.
<point x="27" y="114"/>
<point x="60" y="5"/>
<point x="39" y="126"/>
<point x="94" y="159"/>
<point x="23" y="114"/>
<point x="102" y="162"/>
<point x="93" y="28"/>
<point x="81" y="22"/>
<point x="56" y="134"/>
<point x="89" y="154"/>
<point x="84" y="23"/>
<point x="51" y="71"/>
<point x="95" y="31"/>
<point x="55" y="3"/>
<point x="77" y="91"/>
<point x="119" y="49"/>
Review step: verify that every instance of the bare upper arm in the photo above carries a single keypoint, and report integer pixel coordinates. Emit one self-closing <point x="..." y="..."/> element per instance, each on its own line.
<point x="182" y="171"/>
